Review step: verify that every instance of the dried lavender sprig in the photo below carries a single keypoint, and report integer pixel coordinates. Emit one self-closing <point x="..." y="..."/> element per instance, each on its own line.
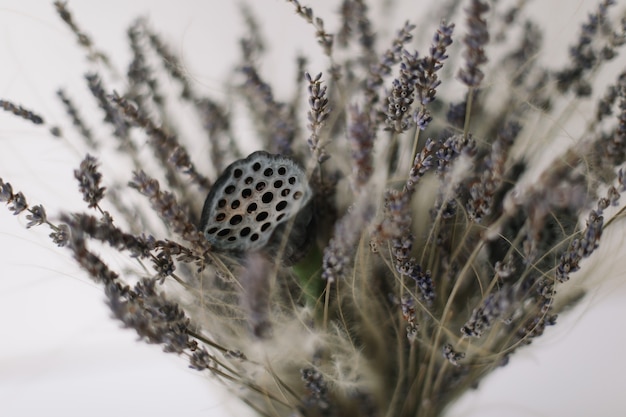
<point x="275" y="119"/>
<point x="254" y="32"/>
<point x="396" y="228"/>
<point x="422" y="163"/>
<point x="615" y="146"/>
<point x="508" y="18"/>
<point x="17" y="201"/>
<point x="37" y="216"/>
<point x="163" y="264"/>
<point x="151" y="315"/>
<point x="535" y="326"/>
<point x="216" y="123"/>
<point x="105" y="231"/>
<point x="402" y="93"/>
<point x="450" y="149"/>
<point x="21" y="112"/>
<point x="339" y="254"/>
<point x="302" y="63"/>
<point x="97" y="269"/>
<point x="361" y="136"/>
<point x="165" y="205"/>
<point x="170" y="61"/>
<point x="317" y="116"/>
<point x="139" y="72"/>
<point x="605" y="104"/>
<point x="382" y="69"/>
<point x="166" y="146"/>
<point x="428" y="81"/>
<point x="111" y="115"/>
<point x="354" y="21"/>
<point x="483" y="189"/>
<point x="521" y="59"/>
<point x="583" y="54"/>
<point x="77" y="119"/>
<point x="89" y="181"/>
<point x="397" y="218"/>
<point x="317" y="390"/>
<point x="324" y="38"/>
<point x="182" y="253"/>
<point x="589" y="240"/>
<point x="411" y="269"/>
<point x="475" y="41"/>
<point x="407" y="305"/>
<point x="84" y="39"/>
<point x="418" y="77"/>
<point x="214" y="117"/>
<point x="61" y="235"/>
<point x="158" y="320"/>
<point x="451" y="355"/>
<point x="397" y="222"/>
<point x="6" y="192"/>
<point x="495" y="306"/>
<point x="456" y="114"/>
<point x="201" y="360"/>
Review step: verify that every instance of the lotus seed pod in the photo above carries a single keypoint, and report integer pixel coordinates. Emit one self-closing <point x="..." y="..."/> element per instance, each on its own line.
<point x="251" y="203"/>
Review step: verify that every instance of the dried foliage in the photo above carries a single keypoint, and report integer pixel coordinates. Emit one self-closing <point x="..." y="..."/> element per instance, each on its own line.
<point x="430" y="248"/>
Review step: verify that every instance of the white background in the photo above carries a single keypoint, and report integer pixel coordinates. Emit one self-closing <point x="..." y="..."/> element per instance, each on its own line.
<point x="62" y="355"/>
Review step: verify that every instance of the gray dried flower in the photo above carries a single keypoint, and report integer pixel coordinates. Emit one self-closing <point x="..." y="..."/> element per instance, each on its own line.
<point x="36" y="217"/>
<point x="89" y="181"/>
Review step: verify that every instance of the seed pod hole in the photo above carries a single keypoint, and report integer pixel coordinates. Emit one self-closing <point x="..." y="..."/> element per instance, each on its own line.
<point x="248" y="198"/>
<point x="267" y="197"/>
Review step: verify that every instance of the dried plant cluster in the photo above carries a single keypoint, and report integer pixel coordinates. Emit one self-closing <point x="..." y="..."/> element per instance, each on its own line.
<point x="431" y="241"/>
